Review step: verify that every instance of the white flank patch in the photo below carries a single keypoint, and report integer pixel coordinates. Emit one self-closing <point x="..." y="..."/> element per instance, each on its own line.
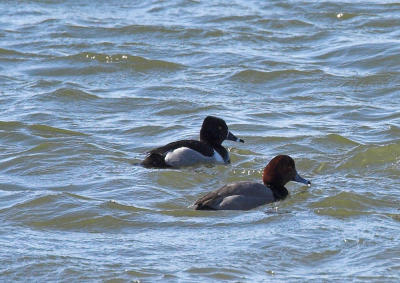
<point x="185" y="156"/>
<point x="172" y="155"/>
<point x="217" y="157"/>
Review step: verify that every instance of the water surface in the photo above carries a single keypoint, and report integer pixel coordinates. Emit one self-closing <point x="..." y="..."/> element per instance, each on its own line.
<point x="87" y="88"/>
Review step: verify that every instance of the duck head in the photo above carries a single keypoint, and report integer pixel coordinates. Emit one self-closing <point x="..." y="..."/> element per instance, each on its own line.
<point x="214" y="131"/>
<point x="280" y="170"/>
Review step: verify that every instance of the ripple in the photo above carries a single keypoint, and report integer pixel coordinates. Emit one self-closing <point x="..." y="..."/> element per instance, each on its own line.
<point x="10" y="125"/>
<point x="112" y="204"/>
<point x="66" y="211"/>
<point x="372" y="155"/>
<point x="145" y="29"/>
<point x="320" y="256"/>
<point x="69" y="94"/>
<point x="88" y="89"/>
<point x="80" y="221"/>
<point x="10" y="53"/>
<point x="379" y="23"/>
<point x="365" y="57"/>
<point x="49" y="131"/>
<point x="334" y="143"/>
<point x="258" y="76"/>
<point x="97" y="63"/>
<point x="217" y="273"/>
<point x="153" y="130"/>
<point x="136" y="62"/>
<point x="285" y="23"/>
<point x="338" y="139"/>
<point x="348" y="204"/>
<point x="376" y="81"/>
<point x="66" y="71"/>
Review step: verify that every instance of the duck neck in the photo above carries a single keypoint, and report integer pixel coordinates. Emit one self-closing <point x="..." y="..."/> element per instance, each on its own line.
<point x="280" y="192"/>
<point x="221" y="151"/>
<point x="209" y="142"/>
<point x="214" y="145"/>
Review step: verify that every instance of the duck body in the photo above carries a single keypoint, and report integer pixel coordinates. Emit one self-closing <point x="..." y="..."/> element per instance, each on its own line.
<point x="192" y="152"/>
<point x="185" y="153"/>
<point x="248" y="195"/>
<point x="236" y="196"/>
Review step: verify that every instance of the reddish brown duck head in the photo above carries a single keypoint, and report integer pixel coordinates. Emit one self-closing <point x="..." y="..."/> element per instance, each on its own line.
<point x="280" y="170"/>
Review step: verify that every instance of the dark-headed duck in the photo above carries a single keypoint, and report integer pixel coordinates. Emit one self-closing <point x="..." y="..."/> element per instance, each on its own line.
<point x="247" y="195"/>
<point x="191" y="152"/>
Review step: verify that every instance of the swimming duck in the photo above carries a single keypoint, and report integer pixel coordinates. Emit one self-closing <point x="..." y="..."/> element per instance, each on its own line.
<point x="191" y="152"/>
<point x="247" y="195"/>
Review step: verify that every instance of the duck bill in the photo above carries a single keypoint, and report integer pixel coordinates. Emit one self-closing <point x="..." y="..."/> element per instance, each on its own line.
<point x="300" y="179"/>
<point x="232" y="137"/>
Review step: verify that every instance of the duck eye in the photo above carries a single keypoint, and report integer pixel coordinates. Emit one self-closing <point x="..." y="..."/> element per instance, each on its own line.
<point x="219" y="128"/>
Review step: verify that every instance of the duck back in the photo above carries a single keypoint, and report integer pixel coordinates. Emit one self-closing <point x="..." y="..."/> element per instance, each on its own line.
<point x="236" y="196"/>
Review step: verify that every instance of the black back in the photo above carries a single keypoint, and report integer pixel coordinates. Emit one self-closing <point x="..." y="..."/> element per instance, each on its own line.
<point x="199" y="146"/>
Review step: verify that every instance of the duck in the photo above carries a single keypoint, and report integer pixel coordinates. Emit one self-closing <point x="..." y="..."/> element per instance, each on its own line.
<point x="184" y="153"/>
<point x="248" y="195"/>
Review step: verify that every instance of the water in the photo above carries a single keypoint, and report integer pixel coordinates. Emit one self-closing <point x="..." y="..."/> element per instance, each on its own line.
<point x="87" y="88"/>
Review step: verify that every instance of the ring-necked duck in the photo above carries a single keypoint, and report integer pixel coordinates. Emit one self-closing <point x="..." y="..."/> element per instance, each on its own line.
<point x="191" y="152"/>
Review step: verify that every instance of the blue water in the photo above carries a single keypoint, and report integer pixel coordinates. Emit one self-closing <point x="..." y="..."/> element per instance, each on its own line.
<point x="87" y="88"/>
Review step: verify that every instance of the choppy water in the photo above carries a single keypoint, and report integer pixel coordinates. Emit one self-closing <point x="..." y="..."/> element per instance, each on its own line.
<point x="86" y="88"/>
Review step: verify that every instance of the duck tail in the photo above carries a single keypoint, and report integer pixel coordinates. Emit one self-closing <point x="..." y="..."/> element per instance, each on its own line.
<point x="201" y="206"/>
<point x="155" y="160"/>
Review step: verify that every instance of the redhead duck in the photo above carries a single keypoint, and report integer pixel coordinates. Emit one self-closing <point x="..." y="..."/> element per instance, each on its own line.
<point x="191" y="152"/>
<point x="247" y="195"/>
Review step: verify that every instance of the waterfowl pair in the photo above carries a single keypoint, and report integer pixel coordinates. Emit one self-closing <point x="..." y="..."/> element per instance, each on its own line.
<point x="236" y="196"/>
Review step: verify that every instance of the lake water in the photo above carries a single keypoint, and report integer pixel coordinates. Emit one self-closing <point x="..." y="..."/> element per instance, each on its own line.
<point x="87" y="87"/>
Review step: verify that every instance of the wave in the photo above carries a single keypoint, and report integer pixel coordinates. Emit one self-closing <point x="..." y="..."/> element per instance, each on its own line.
<point x="49" y="130"/>
<point x="10" y="55"/>
<point x="136" y="62"/>
<point x="372" y="155"/>
<point x="333" y="144"/>
<point x="67" y="70"/>
<point x="384" y="82"/>
<point x="105" y="64"/>
<point x="258" y="76"/>
<point x="163" y="32"/>
<point x="10" y="125"/>
<point x="378" y="23"/>
<point x="285" y="23"/>
<point x="348" y="204"/>
<point x="366" y="57"/>
<point x="218" y="274"/>
<point x="185" y="32"/>
<point x="10" y="52"/>
<point x="72" y="211"/>
<point x="338" y="140"/>
<point x="127" y="29"/>
<point x="70" y="94"/>
<point x="37" y="128"/>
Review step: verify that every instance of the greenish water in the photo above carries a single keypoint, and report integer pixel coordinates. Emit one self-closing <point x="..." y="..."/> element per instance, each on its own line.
<point x="87" y="88"/>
